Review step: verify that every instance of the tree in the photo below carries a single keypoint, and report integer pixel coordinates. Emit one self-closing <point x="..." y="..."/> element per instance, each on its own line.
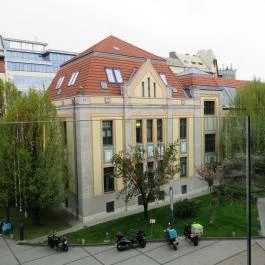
<point x="207" y="173"/>
<point x="33" y="163"/>
<point x="8" y="94"/>
<point x="249" y="101"/>
<point x="130" y="167"/>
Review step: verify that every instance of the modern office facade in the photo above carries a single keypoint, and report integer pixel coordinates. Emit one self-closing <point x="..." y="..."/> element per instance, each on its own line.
<point x="115" y="95"/>
<point x="30" y="63"/>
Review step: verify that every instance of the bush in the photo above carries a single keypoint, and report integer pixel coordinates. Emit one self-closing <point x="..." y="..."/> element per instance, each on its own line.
<point x="187" y="208"/>
<point x="236" y="193"/>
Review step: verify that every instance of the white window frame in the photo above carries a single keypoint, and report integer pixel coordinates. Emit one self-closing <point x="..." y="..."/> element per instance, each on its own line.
<point x="60" y="82"/>
<point x="114" y="75"/>
<point x="164" y="78"/>
<point x="73" y="78"/>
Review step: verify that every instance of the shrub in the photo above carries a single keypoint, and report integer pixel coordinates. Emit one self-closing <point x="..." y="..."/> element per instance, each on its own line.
<point x="187" y="208"/>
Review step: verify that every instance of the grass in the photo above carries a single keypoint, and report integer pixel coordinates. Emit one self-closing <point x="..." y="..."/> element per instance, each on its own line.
<point x="50" y="222"/>
<point x="231" y="217"/>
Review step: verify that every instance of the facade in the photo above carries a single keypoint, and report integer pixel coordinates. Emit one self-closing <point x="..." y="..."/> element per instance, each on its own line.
<point x="29" y="63"/>
<point x="115" y="95"/>
<point x="204" y="61"/>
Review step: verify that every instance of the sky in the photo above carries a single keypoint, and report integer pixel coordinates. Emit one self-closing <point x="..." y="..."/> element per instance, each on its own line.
<point x="233" y="29"/>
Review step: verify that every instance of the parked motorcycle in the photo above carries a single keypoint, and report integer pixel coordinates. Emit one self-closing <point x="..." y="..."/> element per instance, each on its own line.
<point x="171" y="237"/>
<point x="53" y="240"/>
<point x="57" y="242"/>
<point x="62" y="244"/>
<point x="125" y="242"/>
<point x="193" y="232"/>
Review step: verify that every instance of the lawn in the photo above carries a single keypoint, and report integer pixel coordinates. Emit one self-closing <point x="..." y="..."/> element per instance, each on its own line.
<point x="50" y="222"/>
<point x="231" y="217"/>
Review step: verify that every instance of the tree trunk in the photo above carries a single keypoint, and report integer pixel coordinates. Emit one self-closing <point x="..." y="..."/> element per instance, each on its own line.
<point x="216" y="205"/>
<point x="145" y="204"/>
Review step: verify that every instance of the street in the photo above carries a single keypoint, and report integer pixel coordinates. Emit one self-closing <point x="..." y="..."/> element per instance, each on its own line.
<point x="209" y="252"/>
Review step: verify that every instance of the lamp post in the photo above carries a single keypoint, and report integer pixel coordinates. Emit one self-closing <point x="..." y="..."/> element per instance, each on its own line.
<point x="171" y="215"/>
<point x="75" y="157"/>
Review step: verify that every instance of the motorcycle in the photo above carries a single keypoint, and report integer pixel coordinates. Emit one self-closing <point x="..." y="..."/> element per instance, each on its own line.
<point x="62" y="244"/>
<point x="171" y="237"/>
<point x="124" y="242"/>
<point x="193" y="232"/>
<point x="53" y="240"/>
<point x="59" y="243"/>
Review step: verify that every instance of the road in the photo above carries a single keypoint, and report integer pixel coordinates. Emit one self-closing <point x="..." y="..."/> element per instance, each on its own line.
<point x="209" y="252"/>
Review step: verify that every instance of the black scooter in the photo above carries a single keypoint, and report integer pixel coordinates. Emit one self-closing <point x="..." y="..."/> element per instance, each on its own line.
<point x="124" y="242"/>
<point x="55" y="241"/>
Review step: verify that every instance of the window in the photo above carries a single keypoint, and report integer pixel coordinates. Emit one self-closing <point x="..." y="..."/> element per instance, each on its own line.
<point x="183" y="128"/>
<point x="183" y="166"/>
<point x="163" y="77"/>
<point x="143" y="90"/>
<point x="114" y="75"/>
<point x="108" y="179"/>
<point x="183" y="189"/>
<point x="208" y="107"/>
<point x="73" y="78"/>
<point x="110" y="207"/>
<point x="209" y="143"/>
<point x="139" y="137"/>
<point x="149" y="131"/>
<point x="107" y="132"/>
<point x="154" y="90"/>
<point x="59" y="83"/>
<point x="159" y="128"/>
<point x="148" y="87"/>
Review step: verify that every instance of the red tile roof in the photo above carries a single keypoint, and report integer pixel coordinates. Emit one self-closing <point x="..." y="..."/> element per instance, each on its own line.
<point x="113" y="45"/>
<point x="212" y="81"/>
<point x="91" y="65"/>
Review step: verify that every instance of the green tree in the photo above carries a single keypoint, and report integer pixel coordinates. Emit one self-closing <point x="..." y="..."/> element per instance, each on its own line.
<point x="249" y="101"/>
<point x="33" y="163"/>
<point x="8" y="94"/>
<point x="130" y="167"/>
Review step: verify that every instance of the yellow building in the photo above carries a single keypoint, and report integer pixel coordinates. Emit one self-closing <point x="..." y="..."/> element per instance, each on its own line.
<point x="115" y="95"/>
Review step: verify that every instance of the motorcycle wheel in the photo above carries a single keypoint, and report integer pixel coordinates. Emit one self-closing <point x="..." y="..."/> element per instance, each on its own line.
<point x="142" y="243"/>
<point x="196" y="241"/>
<point x="119" y="247"/>
<point x="175" y="246"/>
<point x="65" y="248"/>
<point x="51" y="244"/>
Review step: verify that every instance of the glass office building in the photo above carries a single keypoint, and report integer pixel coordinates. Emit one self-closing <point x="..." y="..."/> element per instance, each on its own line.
<point x="30" y="63"/>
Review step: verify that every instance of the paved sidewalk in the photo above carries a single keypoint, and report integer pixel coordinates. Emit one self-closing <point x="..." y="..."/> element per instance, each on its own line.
<point x="208" y="252"/>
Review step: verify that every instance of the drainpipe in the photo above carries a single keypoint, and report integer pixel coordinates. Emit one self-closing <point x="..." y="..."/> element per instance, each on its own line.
<point x="75" y="158"/>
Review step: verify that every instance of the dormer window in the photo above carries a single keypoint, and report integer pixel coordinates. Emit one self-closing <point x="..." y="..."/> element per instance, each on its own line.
<point x="114" y="75"/>
<point x="60" y="82"/>
<point x="163" y="77"/>
<point x="73" y="78"/>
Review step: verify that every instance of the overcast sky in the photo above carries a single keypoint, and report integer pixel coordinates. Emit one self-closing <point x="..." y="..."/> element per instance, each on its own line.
<point x="233" y="29"/>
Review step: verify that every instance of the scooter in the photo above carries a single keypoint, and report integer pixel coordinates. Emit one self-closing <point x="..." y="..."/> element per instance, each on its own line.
<point x="193" y="232"/>
<point x="171" y="237"/>
<point x="53" y="240"/>
<point x="124" y="242"/>
<point x="62" y="244"/>
<point x="59" y="243"/>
